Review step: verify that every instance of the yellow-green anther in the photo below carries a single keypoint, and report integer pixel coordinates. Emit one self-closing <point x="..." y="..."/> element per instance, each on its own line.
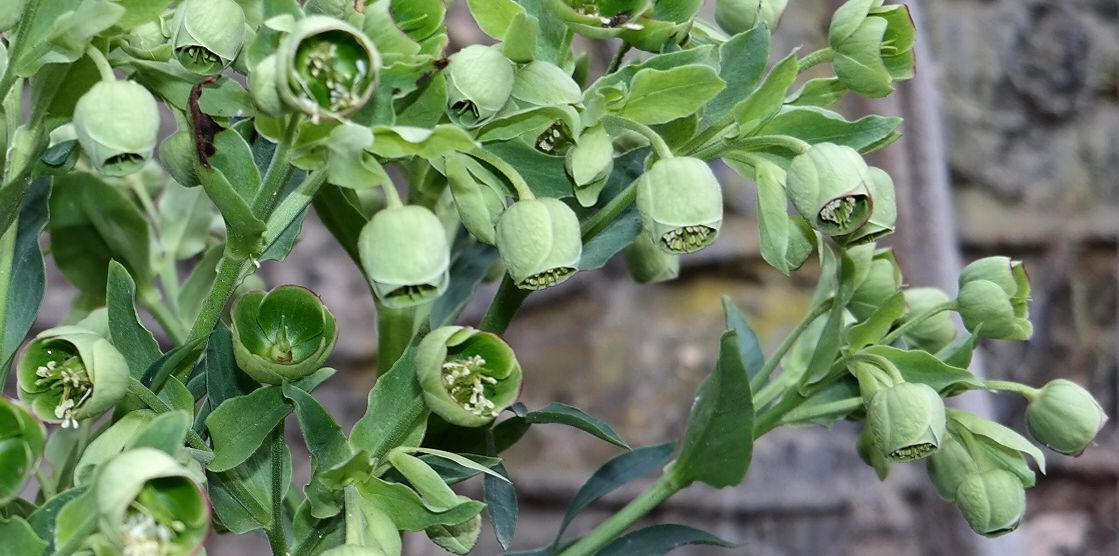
<point x="69" y="374"/>
<point x="993" y="501"/>
<point x="264" y="86"/>
<point x="468" y="376"/>
<point x="994" y="298"/>
<point x="554" y="140"/>
<point x="208" y="34"/>
<point x="907" y="420"/>
<point x="736" y="16"/>
<point x="935" y="332"/>
<point x="406" y="256"/>
<point x="648" y="263"/>
<point x="117" y="124"/>
<point x="950" y="465"/>
<point x="828" y="186"/>
<point x="590" y="163"/>
<point x="1064" y="417"/>
<point x="885" y="214"/>
<point x="283" y="335"/>
<point x="681" y="204"/>
<point x="480" y="83"/>
<point x="326" y="67"/>
<point x="21" y="446"/>
<point x="882" y="281"/>
<point x="540" y="242"/>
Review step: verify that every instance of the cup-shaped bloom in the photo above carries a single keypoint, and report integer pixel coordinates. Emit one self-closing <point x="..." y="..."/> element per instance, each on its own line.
<point x="885" y="214"/>
<point x="69" y="374"/>
<point x="882" y="281"/>
<point x="993" y="501"/>
<point x="208" y="34"/>
<point x="405" y="254"/>
<point x="480" y="83"/>
<point x="148" y="503"/>
<point x="828" y="186"/>
<point x="681" y="204"/>
<point x="872" y="46"/>
<point x="264" y="88"/>
<point x="648" y="264"/>
<point x="935" y="332"/>
<point x="326" y="67"/>
<point x="540" y="243"/>
<point x="283" y="335"/>
<point x="117" y="123"/>
<point x="736" y="16"/>
<point x="21" y="446"/>
<point x="994" y="298"/>
<point x="950" y="465"/>
<point x="1064" y="417"/>
<point x="907" y="420"/>
<point x="590" y="163"/>
<point x="468" y="376"/>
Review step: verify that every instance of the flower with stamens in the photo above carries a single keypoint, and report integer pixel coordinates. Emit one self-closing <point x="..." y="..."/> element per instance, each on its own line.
<point x="540" y="243"/>
<point x="885" y="214"/>
<point x="69" y="374"/>
<point x="405" y="255"/>
<point x="283" y="335"/>
<point x="468" y="376"/>
<point x="480" y="83"/>
<point x="117" y="124"/>
<point x="907" y="420"/>
<point x="326" y="68"/>
<point x="828" y="186"/>
<point x="208" y="34"/>
<point x="21" y="446"/>
<point x="681" y="204"/>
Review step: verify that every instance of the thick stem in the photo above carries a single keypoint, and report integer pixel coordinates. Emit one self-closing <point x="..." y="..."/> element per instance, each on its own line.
<point x="916" y="320"/>
<point x="822" y="56"/>
<point x="394" y="333"/>
<point x="607" y="531"/>
<point x="277" y="537"/>
<point x="660" y="147"/>
<point x="1027" y="392"/>
<point x="7" y="254"/>
<point x="521" y="187"/>
<point x="619" y="57"/>
<point x="294" y="205"/>
<point x="714" y="132"/>
<point x="504" y="306"/>
<point x="278" y="173"/>
<point x="229" y="272"/>
<point x="763" y="375"/>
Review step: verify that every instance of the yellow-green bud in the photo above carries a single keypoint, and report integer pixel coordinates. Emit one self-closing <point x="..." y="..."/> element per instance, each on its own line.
<point x="147" y="41"/>
<point x="405" y="254"/>
<point x="882" y="281"/>
<point x="872" y="45"/>
<point x="1064" y="417"/>
<point x="935" y="332"/>
<point x="828" y="186"/>
<point x="326" y="67"/>
<point x="117" y="123"/>
<point x="480" y="83"/>
<point x="993" y="501"/>
<point x="283" y="335"/>
<point x="681" y="204"/>
<point x="69" y="374"/>
<point x="590" y="163"/>
<point x="468" y="376"/>
<point x="736" y="16"/>
<point x="21" y="446"/>
<point x="907" y="420"/>
<point x="540" y="243"/>
<point x="208" y="34"/>
<point x="994" y="298"/>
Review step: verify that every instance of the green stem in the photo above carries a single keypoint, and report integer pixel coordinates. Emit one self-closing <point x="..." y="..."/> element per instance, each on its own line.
<point x="504" y="306"/>
<point x="87" y="527"/>
<point x="520" y="186"/>
<point x="619" y="57"/>
<point x="395" y="327"/>
<point x="763" y="375"/>
<point x="714" y="132"/>
<point x="229" y="272"/>
<point x="660" y="147"/>
<point x="278" y="173"/>
<point x="822" y="56"/>
<point x="156" y="404"/>
<point x="290" y="208"/>
<point x="277" y="537"/>
<point x="788" y="142"/>
<point x="770" y="419"/>
<point x="7" y="255"/>
<point x="16" y="52"/>
<point x="658" y="492"/>
<point x="821" y="410"/>
<point x="881" y="363"/>
<point x="1027" y="392"/>
<point x="915" y="320"/>
<point x="166" y="317"/>
<point x="102" y="63"/>
<point x="610" y="212"/>
<point x="392" y="197"/>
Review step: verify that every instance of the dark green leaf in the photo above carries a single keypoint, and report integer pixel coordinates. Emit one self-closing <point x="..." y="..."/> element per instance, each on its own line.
<point x="19" y="538"/>
<point x="876" y="326"/>
<point x="742" y="60"/>
<point x="544" y="174"/>
<point x="615" y="237"/>
<point x="240" y="425"/>
<point x="173" y="362"/>
<point x="129" y="336"/>
<point x="242" y="496"/>
<point x="574" y="417"/>
<point x="27" y="278"/>
<point x="43" y="520"/>
<point x="748" y="345"/>
<point x="501" y="501"/>
<point x="325" y="441"/>
<point x="395" y="415"/>
<point x="657" y="540"/>
<point x="175" y="394"/>
<point x="340" y="211"/>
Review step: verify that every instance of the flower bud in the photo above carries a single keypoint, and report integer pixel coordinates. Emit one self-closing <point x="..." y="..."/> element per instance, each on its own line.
<point x="1064" y="417"/>
<point x="872" y="46"/>
<point x="994" y="298"/>
<point x="935" y="332"/>
<point x="648" y="264"/>
<point x="681" y="204"/>
<point x="148" y="504"/>
<point x="326" y="67"/>
<point x="992" y="501"/>
<point x="828" y="186"/>
<point x="950" y="465"/>
<point x="882" y="281"/>
<point x="540" y="243"/>
<point x="736" y="16"/>
<point x="480" y="83"/>
<point x="468" y="376"/>
<point x="264" y="88"/>
<point x="884" y="215"/>
<point x="148" y="42"/>
<point x="405" y="255"/>
<point x="69" y="374"/>
<point x="208" y="34"/>
<point x="590" y="163"/>
<point x="21" y="445"/>
<point x="907" y="420"/>
<point x="478" y="205"/>
<point x="117" y="123"/>
<point x="283" y="335"/>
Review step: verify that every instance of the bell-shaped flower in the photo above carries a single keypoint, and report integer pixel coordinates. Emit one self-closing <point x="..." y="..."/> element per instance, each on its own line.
<point x="406" y="256"/>
<point x="69" y="374"/>
<point x="736" y="16"/>
<point x="872" y="45"/>
<point x="208" y="34"/>
<point x="681" y="204"/>
<point x="993" y="501"/>
<point x="480" y="83"/>
<point x="994" y="299"/>
<point x="283" y="335"/>
<point x="907" y="420"/>
<point x="1064" y="417"/>
<point x="540" y="242"/>
<point x="468" y="376"/>
<point x="828" y="186"/>
<point x="935" y="332"/>
<point x="885" y="214"/>
<point x="117" y="124"/>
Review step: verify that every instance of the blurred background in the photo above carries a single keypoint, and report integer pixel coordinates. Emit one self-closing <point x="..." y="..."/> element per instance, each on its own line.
<point x="1011" y="147"/>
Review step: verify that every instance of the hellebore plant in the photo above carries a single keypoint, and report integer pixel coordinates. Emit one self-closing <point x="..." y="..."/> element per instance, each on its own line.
<point x="436" y="170"/>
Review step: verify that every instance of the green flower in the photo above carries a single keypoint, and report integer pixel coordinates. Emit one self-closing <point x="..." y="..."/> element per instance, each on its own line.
<point x="828" y="186"/>
<point x="21" y="446"/>
<point x="468" y="376"/>
<point x="872" y="46"/>
<point x="590" y="163"/>
<point x="283" y="335"/>
<point x="935" y="332"/>
<point x="1064" y="417"/>
<point x="681" y="204"/>
<point x="648" y="263"/>
<point x="992" y="501"/>
<point x="480" y="83"/>
<point x="994" y="299"/>
<point x="950" y="465"/>
<point x="882" y="281"/>
<point x="208" y="34"/>
<point x="540" y="243"/>
<point x="736" y="16"/>
<point x="907" y="420"/>
<point x="405" y="254"/>
<point x="69" y="374"/>
<point x="147" y="41"/>
<point x="117" y="123"/>
<point x="326" y="68"/>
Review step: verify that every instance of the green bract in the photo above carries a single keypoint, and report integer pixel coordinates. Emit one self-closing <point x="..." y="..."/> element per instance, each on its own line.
<point x="590" y="163"/>
<point x="872" y="45"/>
<point x="828" y="186"/>
<point x="405" y="254"/>
<point x="480" y="82"/>
<point x="992" y="501"/>
<point x="648" y="263"/>
<point x="69" y="374"/>
<point x="148" y="504"/>
<point x="1064" y="417"/>
<point x="681" y="204"/>
<point x="935" y="332"/>
<point x="117" y="123"/>
<point x="994" y="299"/>
<point x="882" y="281"/>
<point x="207" y="34"/>
<point x="539" y="241"/>
<point x="326" y="68"/>
<point x="283" y="335"/>
<point x="907" y="420"/>
<point x="21" y="445"/>
<point x="736" y="16"/>
<point x="468" y="376"/>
